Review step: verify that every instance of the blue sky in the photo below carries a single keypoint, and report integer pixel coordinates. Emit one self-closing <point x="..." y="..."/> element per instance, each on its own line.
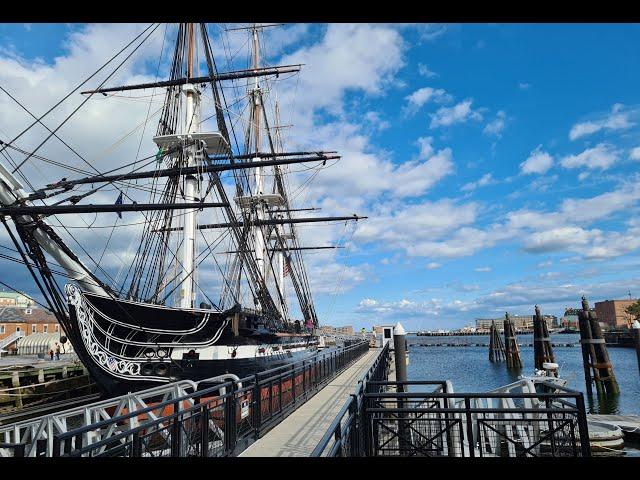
<point x="496" y="162"/>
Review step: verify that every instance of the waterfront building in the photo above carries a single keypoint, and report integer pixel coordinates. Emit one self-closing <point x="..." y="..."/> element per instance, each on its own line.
<point x="29" y="320"/>
<point x="611" y="313"/>
<point x="520" y="322"/>
<point x="570" y="318"/>
<point x="346" y="330"/>
<point x="15" y="299"/>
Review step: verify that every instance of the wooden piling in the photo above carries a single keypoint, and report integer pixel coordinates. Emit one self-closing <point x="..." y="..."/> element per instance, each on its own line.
<point x="542" y="349"/>
<point x="595" y="356"/>
<point x="636" y="339"/>
<point x="511" y="349"/>
<point x="496" y="347"/>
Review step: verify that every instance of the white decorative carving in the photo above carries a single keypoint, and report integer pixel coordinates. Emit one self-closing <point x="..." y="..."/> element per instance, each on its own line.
<point x="105" y="359"/>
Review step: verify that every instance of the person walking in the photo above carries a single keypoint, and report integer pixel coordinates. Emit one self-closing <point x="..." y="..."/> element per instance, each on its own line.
<point x="51" y="353"/>
<point x="57" y="351"/>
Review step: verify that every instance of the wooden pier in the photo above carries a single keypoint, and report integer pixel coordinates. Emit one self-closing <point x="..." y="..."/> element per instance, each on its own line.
<point x="299" y="433"/>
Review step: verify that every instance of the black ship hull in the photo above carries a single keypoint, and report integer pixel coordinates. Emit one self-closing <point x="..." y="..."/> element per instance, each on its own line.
<point x="129" y="346"/>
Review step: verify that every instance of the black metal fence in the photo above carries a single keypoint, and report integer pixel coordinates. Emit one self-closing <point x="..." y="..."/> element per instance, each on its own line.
<point x="426" y="419"/>
<point x="219" y="420"/>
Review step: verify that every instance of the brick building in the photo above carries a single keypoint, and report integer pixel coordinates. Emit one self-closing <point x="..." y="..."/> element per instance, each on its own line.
<point x="520" y="322"/>
<point x="28" y="320"/>
<point x="611" y="313"/>
<point x="348" y="330"/>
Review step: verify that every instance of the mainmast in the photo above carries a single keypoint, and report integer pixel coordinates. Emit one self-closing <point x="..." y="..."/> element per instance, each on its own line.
<point x="280" y="254"/>
<point x="260" y="244"/>
<point x="191" y="184"/>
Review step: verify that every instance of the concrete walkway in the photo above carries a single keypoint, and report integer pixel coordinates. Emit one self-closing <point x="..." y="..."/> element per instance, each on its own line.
<point x="299" y="433"/>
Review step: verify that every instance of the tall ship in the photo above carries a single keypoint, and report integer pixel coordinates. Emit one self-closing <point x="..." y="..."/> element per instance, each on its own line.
<point x="215" y="281"/>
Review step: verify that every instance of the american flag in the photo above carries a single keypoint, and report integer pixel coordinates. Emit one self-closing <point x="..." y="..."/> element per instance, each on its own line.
<point x="286" y="269"/>
<point x="119" y="201"/>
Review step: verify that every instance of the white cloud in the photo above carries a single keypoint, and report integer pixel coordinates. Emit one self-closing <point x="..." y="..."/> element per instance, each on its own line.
<point x="634" y="154"/>
<point x="483" y="269"/>
<point x="496" y="126"/>
<point x="557" y="239"/>
<point x="616" y="120"/>
<point x="425" y="72"/>
<point x="420" y="97"/>
<point x="433" y="265"/>
<point x="538" y="161"/>
<point x="459" y="113"/>
<point x="524" y="86"/>
<point x="486" y="179"/>
<point x="601" y="156"/>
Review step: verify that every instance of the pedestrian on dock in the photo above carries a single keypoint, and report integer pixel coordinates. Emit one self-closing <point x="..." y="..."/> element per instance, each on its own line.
<point x="57" y="352"/>
<point x="51" y="353"/>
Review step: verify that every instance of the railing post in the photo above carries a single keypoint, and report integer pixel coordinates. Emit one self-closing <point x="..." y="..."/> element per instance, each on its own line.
<point x="230" y="420"/>
<point x="552" y="439"/>
<point x="354" y="443"/>
<point x="257" y="407"/>
<point x="56" y="446"/>
<point x="136" y="445"/>
<point x="470" y="442"/>
<point x="585" y="448"/>
<point x="293" y="383"/>
<point x="204" y="430"/>
<point x="304" y="383"/>
<point x="175" y="432"/>
<point x="338" y="440"/>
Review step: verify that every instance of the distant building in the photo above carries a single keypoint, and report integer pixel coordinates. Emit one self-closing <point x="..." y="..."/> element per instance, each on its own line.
<point x="348" y="330"/>
<point x="611" y="313"/>
<point x="570" y="318"/>
<point x="28" y="320"/>
<point x="15" y="299"/>
<point x="520" y="322"/>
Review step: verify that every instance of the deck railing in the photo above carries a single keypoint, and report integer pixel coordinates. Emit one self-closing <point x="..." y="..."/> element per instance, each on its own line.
<point x="218" y="420"/>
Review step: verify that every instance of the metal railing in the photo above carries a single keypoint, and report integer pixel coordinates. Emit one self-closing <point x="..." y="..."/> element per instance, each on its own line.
<point x="219" y="420"/>
<point x="387" y="419"/>
<point x="14" y="337"/>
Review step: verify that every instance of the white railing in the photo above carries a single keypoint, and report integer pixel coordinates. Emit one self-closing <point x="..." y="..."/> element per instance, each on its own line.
<point x="14" y="337"/>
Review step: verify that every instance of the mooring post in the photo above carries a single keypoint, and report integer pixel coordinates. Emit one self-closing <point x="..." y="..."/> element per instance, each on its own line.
<point x="496" y="348"/>
<point x="585" y="338"/>
<point x="400" y="349"/>
<point x="543" y="351"/>
<point x="636" y="335"/>
<point x="512" y="352"/>
<point x="601" y="362"/>
<point x="538" y="354"/>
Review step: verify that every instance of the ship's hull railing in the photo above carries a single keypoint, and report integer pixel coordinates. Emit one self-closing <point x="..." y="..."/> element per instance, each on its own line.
<point x="217" y="420"/>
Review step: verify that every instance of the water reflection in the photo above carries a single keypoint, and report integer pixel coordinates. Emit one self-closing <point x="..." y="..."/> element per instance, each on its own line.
<point x="603" y="404"/>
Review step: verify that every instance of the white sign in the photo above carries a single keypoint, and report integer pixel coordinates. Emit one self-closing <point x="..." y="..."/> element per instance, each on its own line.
<point x="244" y="409"/>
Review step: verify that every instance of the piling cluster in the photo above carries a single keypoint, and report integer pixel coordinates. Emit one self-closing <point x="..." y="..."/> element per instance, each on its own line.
<point x="595" y="357"/>
<point x="496" y="347"/>
<point x="511" y="348"/>
<point x="542" y="351"/>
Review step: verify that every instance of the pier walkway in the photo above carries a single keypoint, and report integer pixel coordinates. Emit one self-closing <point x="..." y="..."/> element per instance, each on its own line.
<point x="299" y="433"/>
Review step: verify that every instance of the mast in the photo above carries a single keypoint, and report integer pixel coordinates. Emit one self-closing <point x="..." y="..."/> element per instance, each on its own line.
<point x="191" y="185"/>
<point x="258" y="233"/>
<point x="280" y="254"/>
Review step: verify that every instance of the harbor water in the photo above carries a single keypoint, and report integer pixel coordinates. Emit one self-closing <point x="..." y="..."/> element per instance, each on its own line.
<point x="468" y="367"/>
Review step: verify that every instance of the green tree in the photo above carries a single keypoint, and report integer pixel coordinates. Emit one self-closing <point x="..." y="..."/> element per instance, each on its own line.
<point x="634" y="310"/>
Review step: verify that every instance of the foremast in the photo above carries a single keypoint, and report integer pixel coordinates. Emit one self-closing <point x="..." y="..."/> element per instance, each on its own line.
<point x="191" y="183"/>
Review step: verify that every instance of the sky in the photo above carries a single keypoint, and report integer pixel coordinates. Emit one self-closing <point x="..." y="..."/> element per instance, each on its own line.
<point x="497" y="163"/>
